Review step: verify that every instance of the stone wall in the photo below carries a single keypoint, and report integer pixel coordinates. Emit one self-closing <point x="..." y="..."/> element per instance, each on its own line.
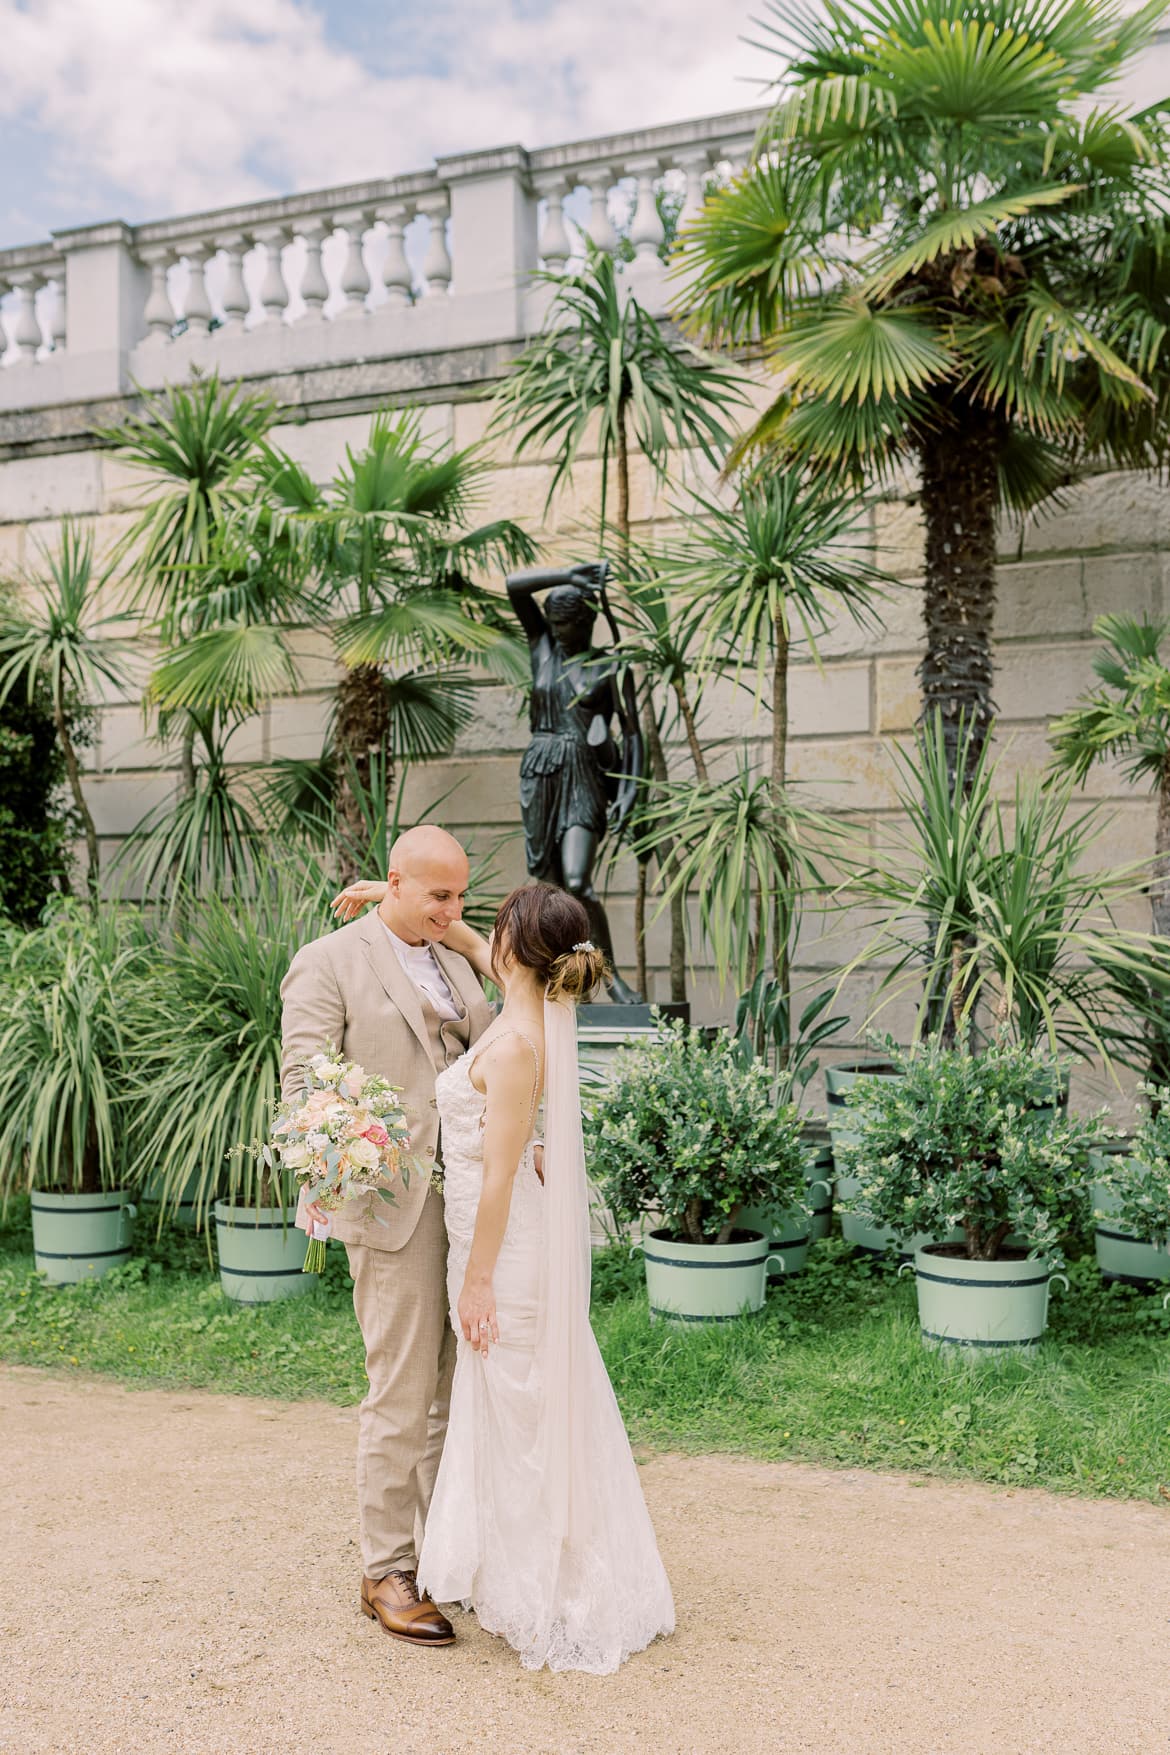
<point x="1106" y="550"/>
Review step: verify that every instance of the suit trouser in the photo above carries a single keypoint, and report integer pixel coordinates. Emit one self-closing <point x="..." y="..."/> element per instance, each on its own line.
<point x="400" y="1299"/>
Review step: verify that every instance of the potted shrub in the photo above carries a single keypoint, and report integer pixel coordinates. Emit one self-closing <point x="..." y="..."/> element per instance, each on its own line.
<point x="971" y="1144"/>
<point x="857" y="1227"/>
<point x="685" y="1135"/>
<point x="1131" y="1194"/>
<point x="206" y="1026"/>
<point x="62" y="1084"/>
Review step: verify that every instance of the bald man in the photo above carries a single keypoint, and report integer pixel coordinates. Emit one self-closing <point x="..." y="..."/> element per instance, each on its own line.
<point x="387" y="993"/>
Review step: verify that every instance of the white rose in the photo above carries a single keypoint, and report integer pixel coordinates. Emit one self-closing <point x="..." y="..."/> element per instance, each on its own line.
<point x="364" y="1153"/>
<point x="295" y="1157"/>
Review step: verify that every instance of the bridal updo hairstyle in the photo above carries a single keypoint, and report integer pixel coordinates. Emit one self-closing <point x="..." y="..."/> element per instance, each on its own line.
<point x="542" y="927"/>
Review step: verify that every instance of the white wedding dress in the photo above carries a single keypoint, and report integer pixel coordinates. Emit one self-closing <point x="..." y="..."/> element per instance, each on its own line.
<point x="538" y="1521"/>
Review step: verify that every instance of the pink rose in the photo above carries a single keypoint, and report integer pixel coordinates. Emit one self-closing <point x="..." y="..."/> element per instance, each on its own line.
<point x="377" y="1135"/>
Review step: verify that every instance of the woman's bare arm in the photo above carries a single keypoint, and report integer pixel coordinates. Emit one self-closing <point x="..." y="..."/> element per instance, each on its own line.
<point x="466" y="942"/>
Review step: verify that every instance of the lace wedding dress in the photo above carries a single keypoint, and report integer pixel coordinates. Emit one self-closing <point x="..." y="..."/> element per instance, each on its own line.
<point x="538" y="1521"/>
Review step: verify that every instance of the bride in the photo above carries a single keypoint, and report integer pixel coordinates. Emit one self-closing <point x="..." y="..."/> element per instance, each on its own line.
<point x="537" y="1521"/>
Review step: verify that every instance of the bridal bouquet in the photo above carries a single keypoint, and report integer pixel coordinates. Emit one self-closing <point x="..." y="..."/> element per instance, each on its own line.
<point x="345" y="1134"/>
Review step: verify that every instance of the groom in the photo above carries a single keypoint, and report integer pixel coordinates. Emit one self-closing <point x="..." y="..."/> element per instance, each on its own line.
<point x="388" y="995"/>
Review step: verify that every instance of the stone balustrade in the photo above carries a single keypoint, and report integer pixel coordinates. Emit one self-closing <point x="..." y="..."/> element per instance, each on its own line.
<point x="436" y="259"/>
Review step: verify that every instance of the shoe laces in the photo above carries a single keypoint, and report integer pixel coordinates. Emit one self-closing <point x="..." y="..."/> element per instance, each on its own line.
<point x="408" y="1579"/>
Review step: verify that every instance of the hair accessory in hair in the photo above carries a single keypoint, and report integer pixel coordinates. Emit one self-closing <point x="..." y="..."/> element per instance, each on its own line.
<point x="586" y="944"/>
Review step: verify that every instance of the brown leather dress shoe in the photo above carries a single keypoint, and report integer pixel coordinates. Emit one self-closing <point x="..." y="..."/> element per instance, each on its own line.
<point x="395" y="1602"/>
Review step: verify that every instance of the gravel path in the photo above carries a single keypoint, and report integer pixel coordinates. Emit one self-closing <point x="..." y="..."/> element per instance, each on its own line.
<point x="180" y="1575"/>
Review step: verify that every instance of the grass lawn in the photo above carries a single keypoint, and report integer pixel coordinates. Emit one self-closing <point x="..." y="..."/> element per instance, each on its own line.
<point x="832" y="1372"/>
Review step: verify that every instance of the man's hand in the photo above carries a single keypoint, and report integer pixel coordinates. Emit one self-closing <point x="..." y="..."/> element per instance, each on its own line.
<point x="538" y="1161"/>
<point x="348" y="903"/>
<point x="315" y="1214"/>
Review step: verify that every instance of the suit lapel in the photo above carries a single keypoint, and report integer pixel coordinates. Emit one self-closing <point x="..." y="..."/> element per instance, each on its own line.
<point x="400" y="989"/>
<point x="462" y="980"/>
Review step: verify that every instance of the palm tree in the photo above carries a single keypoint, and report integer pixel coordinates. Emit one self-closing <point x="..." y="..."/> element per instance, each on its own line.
<point x="763" y="573"/>
<point x="953" y="254"/>
<point x="1127" y="719"/>
<point x="192" y="445"/>
<point x="601" y="360"/>
<point x="56" y="637"/>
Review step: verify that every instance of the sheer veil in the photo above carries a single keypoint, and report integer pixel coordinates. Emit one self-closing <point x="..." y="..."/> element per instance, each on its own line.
<point x="564" y="1339"/>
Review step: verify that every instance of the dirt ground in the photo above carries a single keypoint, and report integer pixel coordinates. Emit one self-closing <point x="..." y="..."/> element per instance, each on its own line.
<point x="180" y="1574"/>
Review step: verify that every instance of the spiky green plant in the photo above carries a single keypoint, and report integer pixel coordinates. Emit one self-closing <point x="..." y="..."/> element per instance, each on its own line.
<point x="53" y="634"/>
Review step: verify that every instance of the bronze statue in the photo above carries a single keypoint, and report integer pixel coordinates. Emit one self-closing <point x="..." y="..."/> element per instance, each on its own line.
<point x="574" y="782"/>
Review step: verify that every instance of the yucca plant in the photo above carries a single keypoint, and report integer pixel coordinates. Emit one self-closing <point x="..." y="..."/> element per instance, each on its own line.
<point x="749" y="860"/>
<point x="993" y="915"/>
<point x="206" y="839"/>
<point x="202" y="1034"/>
<point x="950" y="247"/>
<point x="53" y="634"/>
<point x="64" y="1102"/>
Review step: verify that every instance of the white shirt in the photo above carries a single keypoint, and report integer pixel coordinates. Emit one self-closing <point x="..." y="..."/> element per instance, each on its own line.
<point x="422" y="965"/>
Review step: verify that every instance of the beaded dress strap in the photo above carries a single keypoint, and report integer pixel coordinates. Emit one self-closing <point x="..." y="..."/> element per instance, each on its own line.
<point x="474" y="1053"/>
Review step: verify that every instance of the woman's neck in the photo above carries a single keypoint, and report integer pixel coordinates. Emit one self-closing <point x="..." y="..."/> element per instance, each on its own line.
<point x="523" y="995"/>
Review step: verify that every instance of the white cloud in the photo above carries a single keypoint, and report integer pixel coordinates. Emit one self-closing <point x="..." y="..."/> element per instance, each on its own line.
<point x="176" y="107"/>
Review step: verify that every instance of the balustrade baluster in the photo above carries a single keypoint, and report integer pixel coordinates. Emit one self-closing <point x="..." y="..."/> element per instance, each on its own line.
<point x="355" y="277"/>
<point x="396" y="275"/>
<point x="437" y="262"/>
<point x="5" y="287"/>
<point x="314" y="286"/>
<point x="555" y="245"/>
<point x="197" y="306"/>
<point x="647" y="233"/>
<point x="236" y="302"/>
<point x="159" y="311"/>
<point x="28" y="337"/>
<point x="58" y="321"/>
<point x="273" y="291"/>
<point x="694" y="163"/>
<point x="600" y="228"/>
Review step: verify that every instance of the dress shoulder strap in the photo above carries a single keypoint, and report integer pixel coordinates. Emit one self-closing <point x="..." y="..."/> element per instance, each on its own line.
<point x="475" y="1052"/>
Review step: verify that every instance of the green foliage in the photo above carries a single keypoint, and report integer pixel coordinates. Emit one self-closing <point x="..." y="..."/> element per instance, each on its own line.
<point x="201" y="1029"/>
<point x="206" y="838"/>
<point x="35" y="824"/>
<point x="1141" y="1179"/>
<point x="763" y="1017"/>
<point x="971" y="1142"/>
<point x="934" y="213"/>
<point x="1128" y="717"/>
<point x="995" y="904"/>
<point x="63" y="1086"/>
<point x="601" y="357"/>
<point x="686" y="1131"/>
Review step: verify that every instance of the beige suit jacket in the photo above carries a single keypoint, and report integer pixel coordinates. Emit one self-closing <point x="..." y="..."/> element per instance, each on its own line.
<point x="350" y="989"/>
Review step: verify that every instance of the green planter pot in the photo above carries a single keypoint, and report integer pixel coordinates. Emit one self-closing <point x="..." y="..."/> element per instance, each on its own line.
<point x="856" y="1228"/>
<point x="1121" y="1254"/>
<point x="186" y="1214"/>
<point x="787" y="1231"/>
<point x="81" y="1236"/>
<point x="261" y="1254"/>
<point x="987" y="1306"/>
<point x="819" y="1176"/>
<point x="704" y="1282"/>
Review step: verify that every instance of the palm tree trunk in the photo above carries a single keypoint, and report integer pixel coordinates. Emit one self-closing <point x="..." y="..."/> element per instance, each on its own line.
<point x="187" y="758"/>
<point x="780" y="914"/>
<point x="1158" y="1036"/>
<point x="361" y="733"/>
<point x="623" y="485"/>
<point x="959" y="499"/>
<point x="688" y="719"/>
<point x="641" y="973"/>
<point x="73" y="770"/>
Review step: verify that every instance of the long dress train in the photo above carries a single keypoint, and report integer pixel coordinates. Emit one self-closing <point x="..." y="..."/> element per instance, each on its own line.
<point x="538" y="1520"/>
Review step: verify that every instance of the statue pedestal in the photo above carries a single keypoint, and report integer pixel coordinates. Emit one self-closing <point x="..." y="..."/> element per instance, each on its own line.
<point x="602" y="1029"/>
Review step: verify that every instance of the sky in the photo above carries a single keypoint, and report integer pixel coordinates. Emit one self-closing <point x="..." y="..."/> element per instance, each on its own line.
<point x="138" y="109"/>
